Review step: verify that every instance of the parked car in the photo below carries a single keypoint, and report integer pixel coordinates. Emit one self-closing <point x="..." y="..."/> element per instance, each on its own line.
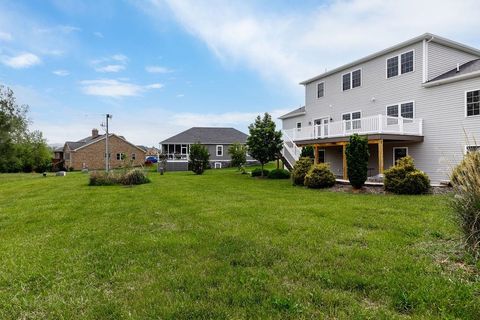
<point x="151" y="159"/>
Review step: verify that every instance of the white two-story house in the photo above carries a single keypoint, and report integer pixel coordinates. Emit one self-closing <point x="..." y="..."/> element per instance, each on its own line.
<point x="419" y="98"/>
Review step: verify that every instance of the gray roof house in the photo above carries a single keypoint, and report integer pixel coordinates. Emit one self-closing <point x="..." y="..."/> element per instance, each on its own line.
<point x="217" y="140"/>
<point x="420" y="98"/>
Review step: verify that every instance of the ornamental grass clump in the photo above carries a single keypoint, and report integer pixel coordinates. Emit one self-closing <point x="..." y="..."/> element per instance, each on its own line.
<point x="300" y="170"/>
<point x="465" y="179"/>
<point x="404" y="178"/>
<point x="131" y="177"/>
<point x="319" y="176"/>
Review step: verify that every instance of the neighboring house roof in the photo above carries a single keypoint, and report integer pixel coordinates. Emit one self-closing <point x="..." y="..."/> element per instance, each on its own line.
<point x="143" y="148"/>
<point x="426" y="36"/>
<point x="208" y="135"/>
<point x="76" y="145"/>
<point x="463" y="70"/>
<point x="297" y="112"/>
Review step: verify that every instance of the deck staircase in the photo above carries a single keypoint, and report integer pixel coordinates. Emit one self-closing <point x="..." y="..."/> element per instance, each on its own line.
<point x="290" y="152"/>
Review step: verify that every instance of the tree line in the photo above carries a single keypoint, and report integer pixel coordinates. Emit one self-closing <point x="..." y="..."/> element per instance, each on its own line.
<point x="21" y="150"/>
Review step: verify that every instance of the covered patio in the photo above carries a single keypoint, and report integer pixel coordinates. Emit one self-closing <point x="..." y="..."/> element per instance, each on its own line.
<point x="378" y="140"/>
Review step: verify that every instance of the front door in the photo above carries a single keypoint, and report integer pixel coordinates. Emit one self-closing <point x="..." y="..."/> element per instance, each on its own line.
<point x="321" y="127"/>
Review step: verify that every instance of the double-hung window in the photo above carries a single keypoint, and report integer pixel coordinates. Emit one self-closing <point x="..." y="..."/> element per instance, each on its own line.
<point x="120" y="156"/>
<point x="320" y="90"/>
<point x="400" y="64"/>
<point x="299" y="126"/>
<point x="352" y="80"/>
<point x="352" y="120"/>
<point x="403" y="110"/>
<point x="219" y="150"/>
<point x="473" y="103"/>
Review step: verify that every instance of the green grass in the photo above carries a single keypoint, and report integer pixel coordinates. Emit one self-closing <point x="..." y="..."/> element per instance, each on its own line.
<point x="225" y="245"/>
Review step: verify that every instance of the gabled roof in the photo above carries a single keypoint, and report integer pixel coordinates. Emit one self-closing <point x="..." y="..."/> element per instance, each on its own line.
<point x="464" y="69"/>
<point x="208" y="135"/>
<point x="297" y="112"/>
<point x="76" y="145"/>
<point x="425" y="36"/>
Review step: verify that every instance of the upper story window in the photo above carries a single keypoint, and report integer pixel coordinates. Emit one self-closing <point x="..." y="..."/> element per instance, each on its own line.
<point x="404" y="110"/>
<point x="219" y="150"/>
<point x="134" y="156"/>
<point x="299" y="126"/>
<point x="473" y="103"/>
<point x="120" y="156"/>
<point x="352" y="80"/>
<point x="320" y="89"/>
<point x="352" y="120"/>
<point x="400" y="64"/>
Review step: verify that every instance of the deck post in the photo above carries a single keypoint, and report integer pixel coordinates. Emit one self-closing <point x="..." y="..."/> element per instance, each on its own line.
<point x="316" y="155"/>
<point x="380" y="156"/>
<point x="345" y="175"/>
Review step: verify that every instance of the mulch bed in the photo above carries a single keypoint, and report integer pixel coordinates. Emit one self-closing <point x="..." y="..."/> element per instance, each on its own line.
<point x="378" y="189"/>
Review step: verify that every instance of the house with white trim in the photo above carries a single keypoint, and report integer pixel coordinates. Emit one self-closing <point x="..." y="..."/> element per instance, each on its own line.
<point x="217" y="140"/>
<point x="420" y="98"/>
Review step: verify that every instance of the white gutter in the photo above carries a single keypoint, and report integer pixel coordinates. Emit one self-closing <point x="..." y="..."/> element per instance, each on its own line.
<point x="452" y="79"/>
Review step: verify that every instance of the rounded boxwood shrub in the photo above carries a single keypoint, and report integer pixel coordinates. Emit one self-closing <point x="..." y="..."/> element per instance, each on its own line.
<point x="279" y="174"/>
<point x="300" y="170"/>
<point x="258" y="172"/>
<point x="319" y="176"/>
<point x="404" y="178"/>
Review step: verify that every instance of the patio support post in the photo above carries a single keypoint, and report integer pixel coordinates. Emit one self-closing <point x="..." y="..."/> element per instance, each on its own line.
<point x="380" y="156"/>
<point x="316" y="154"/>
<point x="345" y="176"/>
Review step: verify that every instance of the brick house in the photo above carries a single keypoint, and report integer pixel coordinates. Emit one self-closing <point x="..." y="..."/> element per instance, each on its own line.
<point x="90" y="152"/>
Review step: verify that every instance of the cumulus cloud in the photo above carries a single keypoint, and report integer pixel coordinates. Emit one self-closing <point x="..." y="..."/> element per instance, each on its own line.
<point x="115" y="88"/>
<point x="21" y="61"/>
<point x="112" y="64"/>
<point x="61" y="73"/>
<point x="294" y="45"/>
<point x="157" y="69"/>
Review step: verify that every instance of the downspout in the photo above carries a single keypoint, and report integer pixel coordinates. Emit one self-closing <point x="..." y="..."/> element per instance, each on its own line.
<point x="425" y="59"/>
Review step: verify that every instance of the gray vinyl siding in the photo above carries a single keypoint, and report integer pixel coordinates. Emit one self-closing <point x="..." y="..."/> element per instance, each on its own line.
<point x="442" y="108"/>
<point x="442" y="59"/>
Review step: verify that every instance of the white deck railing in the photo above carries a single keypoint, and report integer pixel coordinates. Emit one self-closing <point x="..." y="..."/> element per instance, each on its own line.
<point x="378" y="124"/>
<point x="290" y="151"/>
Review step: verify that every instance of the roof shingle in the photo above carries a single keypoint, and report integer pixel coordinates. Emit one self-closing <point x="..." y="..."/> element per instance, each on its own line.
<point x="208" y="135"/>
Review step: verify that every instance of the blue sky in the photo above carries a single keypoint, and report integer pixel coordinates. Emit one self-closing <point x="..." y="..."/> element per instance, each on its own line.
<point x="162" y="66"/>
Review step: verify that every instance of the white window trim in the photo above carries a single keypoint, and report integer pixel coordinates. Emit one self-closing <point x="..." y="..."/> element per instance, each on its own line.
<point x="351" y="114"/>
<point x="122" y="155"/>
<point x="393" y="153"/>
<point x="319" y="118"/>
<point x="216" y="150"/>
<point x="465" y="103"/>
<point x="297" y="127"/>
<point x="471" y="145"/>
<point x="217" y="165"/>
<point x="399" y="56"/>
<point x="399" y="104"/>
<point x="351" y="79"/>
<point x="133" y="156"/>
<point x="323" y="89"/>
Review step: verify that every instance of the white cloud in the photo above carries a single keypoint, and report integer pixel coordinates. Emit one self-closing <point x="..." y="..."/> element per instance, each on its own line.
<point x="302" y="42"/>
<point x="98" y="34"/>
<point x="180" y="95"/>
<point x="21" y="61"/>
<point x="154" y="86"/>
<point x="110" y="68"/>
<point x="5" y="36"/>
<point x="61" y="73"/>
<point x="120" y="57"/>
<point x="157" y="69"/>
<point x="115" y="88"/>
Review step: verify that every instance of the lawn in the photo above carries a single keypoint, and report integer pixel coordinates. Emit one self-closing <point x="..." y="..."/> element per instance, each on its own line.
<point x="226" y="246"/>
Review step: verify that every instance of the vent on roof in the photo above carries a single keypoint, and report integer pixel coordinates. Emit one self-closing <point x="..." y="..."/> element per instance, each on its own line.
<point x="458" y="67"/>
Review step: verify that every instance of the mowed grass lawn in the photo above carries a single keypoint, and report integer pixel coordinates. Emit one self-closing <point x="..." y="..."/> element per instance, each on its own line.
<point x="226" y="246"/>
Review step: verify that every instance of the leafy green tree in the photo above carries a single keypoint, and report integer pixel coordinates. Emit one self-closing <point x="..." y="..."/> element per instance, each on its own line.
<point x="357" y="160"/>
<point x="199" y="157"/>
<point x="20" y="150"/>
<point x="264" y="142"/>
<point x="307" y="151"/>
<point x="238" y="153"/>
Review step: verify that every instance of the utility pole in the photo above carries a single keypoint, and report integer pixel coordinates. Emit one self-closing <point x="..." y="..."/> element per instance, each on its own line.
<point x="107" y="155"/>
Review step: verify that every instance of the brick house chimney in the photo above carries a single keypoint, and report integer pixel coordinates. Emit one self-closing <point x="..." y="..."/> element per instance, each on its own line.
<point x="94" y="133"/>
